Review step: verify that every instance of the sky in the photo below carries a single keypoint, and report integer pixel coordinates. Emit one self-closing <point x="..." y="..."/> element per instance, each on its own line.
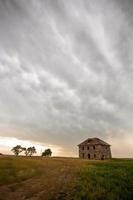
<point x="66" y="74"/>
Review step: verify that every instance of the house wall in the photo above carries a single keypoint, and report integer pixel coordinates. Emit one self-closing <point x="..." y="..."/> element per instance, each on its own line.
<point x="96" y="152"/>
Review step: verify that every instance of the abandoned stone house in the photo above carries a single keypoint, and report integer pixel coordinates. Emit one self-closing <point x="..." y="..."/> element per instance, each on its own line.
<point x="94" y="148"/>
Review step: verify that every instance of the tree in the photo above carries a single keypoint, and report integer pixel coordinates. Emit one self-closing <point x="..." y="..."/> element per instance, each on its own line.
<point x="47" y="152"/>
<point x="25" y="151"/>
<point x="17" y="150"/>
<point x="30" y="151"/>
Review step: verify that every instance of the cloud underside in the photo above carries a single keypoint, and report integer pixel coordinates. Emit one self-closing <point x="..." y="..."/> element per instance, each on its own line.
<point x="66" y="70"/>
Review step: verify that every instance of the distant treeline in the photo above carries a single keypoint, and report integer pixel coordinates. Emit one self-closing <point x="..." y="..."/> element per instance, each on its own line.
<point x="29" y="151"/>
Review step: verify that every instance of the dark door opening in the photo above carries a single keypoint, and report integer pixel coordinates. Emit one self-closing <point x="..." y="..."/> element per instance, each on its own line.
<point x="102" y="158"/>
<point x="89" y="156"/>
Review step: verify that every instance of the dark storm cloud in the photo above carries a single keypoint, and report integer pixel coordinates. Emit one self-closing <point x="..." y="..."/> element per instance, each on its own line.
<point x="66" y="70"/>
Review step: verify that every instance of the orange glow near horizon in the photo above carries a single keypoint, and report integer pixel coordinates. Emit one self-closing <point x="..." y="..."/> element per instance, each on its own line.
<point x="7" y="143"/>
<point x="120" y="147"/>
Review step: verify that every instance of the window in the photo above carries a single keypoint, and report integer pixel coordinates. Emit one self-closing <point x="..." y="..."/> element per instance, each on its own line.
<point x="88" y="147"/>
<point x="83" y="148"/>
<point x="83" y="155"/>
<point x="93" y="147"/>
<point x="89" y="156"/>
<point x="94" y="155"/>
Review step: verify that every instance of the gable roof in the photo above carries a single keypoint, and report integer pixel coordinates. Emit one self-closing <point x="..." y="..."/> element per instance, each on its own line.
<point x="93" y="141"/>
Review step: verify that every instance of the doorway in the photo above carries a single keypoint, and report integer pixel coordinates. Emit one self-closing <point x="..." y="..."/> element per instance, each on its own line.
<point x="102" y="157"/>
<point x="89" y="156"/>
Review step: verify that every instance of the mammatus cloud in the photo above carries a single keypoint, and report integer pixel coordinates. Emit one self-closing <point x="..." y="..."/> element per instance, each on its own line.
<point x="66" y="72"/>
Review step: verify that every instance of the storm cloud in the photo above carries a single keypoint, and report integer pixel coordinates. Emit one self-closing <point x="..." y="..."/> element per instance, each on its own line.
<point x="66" y="72"/>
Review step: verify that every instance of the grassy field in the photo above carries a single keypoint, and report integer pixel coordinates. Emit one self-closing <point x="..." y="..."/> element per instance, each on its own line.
<point x="39" y="178"/>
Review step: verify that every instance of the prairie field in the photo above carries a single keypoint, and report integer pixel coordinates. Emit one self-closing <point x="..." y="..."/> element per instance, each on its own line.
<point x="37" y="178"/>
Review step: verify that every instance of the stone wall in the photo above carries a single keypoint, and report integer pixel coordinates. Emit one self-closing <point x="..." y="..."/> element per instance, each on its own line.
<point x="96" y="152"/>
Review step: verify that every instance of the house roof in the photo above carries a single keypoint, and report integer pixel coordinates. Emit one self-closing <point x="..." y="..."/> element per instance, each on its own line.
<point x="93" y="141"/>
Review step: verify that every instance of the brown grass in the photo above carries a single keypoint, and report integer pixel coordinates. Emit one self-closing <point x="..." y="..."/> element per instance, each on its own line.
<point x="37" y="178"/>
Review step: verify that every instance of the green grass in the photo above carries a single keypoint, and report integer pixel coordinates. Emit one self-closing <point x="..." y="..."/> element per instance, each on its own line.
<point x="110" y="181"/>
<point x="69" y="179"/>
